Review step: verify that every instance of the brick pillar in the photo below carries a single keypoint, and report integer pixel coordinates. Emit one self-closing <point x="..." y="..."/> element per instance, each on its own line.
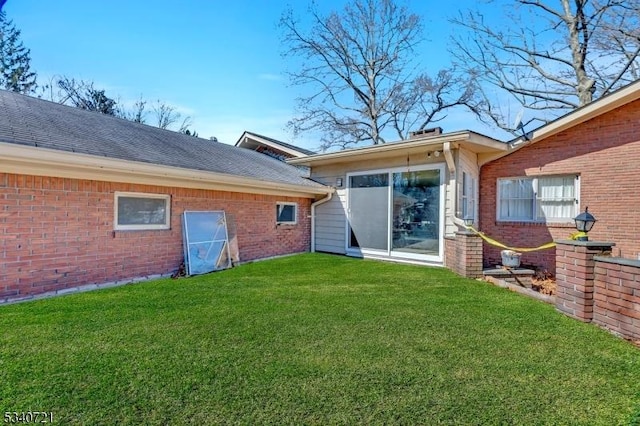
<point x="468" y="255"/>
<point x="575" y="273"/>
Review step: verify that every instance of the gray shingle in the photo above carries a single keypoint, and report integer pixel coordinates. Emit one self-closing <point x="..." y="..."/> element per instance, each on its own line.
<point x="286" y="145"/>
<point x="34" y="122"/>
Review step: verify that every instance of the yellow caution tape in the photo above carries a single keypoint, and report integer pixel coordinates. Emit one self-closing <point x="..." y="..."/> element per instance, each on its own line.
<point x="499" y="244"/>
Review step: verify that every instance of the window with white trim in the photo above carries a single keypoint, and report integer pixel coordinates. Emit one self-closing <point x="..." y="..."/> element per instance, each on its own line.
<point x="538" y="199"/>
<point x="286" y="213"/>
<point x="468" y="196"/>
<point x="140" y="211"/>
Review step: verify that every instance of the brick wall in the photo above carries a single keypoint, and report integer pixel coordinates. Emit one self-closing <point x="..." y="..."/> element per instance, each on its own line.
<point x="605" y="152"/>
<point x="463" y="254"/>
<point x="450" y="246"/>
<point x="617" y="296"/>
<point x="575" y="276"/>
<point x="595" y="287"/>
<point x="58" y="233"/>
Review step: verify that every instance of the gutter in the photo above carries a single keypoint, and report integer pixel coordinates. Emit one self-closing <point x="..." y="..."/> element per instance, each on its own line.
<point x="607" y="103"/>
<point x="313" y="218"/>
<point x="388" y="148"/>
<point x="21" y="159"/>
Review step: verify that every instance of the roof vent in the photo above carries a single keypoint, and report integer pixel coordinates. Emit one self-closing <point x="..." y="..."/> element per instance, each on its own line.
<point x="434" y="131"/>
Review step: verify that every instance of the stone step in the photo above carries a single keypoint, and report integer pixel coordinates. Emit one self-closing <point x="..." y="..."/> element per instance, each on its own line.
<point x="518" y="276"/>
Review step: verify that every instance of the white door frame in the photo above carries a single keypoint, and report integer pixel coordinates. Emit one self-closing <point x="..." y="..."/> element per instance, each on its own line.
<point x="364" y="252"/>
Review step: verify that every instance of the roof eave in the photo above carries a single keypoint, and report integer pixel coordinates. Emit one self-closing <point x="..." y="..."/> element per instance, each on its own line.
<point x="601" y="106"/>
<point x="21" y="159"/>
<point x="269" y="143"/>
<point x="384" y="149"/>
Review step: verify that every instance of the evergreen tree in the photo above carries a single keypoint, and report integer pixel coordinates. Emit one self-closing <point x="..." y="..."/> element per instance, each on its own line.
<point x="15" y="59"/>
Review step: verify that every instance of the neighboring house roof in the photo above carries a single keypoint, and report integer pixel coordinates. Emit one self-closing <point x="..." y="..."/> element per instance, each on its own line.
<point x="475" y="142"/>
<point x="578" y="116"/>
<point x="72" y="141"/>
<point x="256" y="142"/>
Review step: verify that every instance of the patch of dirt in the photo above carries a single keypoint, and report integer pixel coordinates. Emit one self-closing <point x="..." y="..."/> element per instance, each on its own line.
<point x="181" y="272"/>
<point x="544" y="282"/>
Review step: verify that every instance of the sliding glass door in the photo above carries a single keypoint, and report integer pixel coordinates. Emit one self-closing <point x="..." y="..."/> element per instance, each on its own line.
<point x="416" y="212"/>
<point x="396" y="213"/>
<point x="369" y="211"/>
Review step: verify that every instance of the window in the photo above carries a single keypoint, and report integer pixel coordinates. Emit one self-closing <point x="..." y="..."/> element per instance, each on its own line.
<point x="541" y="199"/>
<point x="468" y="196"/>
<point x="135" y="211"/>
<point x="286" y="213"/>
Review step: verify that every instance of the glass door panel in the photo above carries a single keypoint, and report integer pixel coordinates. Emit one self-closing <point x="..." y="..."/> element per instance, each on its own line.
<point x="369" y="211"/>
<point x="206" y="242"/>
<point x="416" y="212"/>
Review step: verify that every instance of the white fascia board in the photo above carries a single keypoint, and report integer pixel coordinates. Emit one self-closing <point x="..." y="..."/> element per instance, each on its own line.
<point x="599" y="107"/>
<point x="249" y="135"/>
<point x="20" y="159"/>
<point x="384" y="149"/>
<point x="241" y="138"/>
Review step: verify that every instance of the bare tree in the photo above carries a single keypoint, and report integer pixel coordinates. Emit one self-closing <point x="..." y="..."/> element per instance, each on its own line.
<point x="549" y="56"/>
<point x="137" y="114"/>
<point x="166" y="115"/>
<point x="82" y="94"/>
<point x="186" y="123"/>
<point x="359" y="68"/>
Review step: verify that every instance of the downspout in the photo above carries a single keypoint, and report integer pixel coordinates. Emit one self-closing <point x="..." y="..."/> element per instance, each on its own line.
<point x="451" y="164"/>
<point x="448" y="155"/>
<point x="313" y="217"/>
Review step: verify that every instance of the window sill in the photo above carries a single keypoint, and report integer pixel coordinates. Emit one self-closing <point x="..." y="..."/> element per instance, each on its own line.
<point x="535" y="224"/>
<point x="124" y="231"/>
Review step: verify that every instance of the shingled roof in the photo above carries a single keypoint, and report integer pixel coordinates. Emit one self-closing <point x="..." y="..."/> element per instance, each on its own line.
<point x="33" y="122"/>
<point x="294" y="151"/>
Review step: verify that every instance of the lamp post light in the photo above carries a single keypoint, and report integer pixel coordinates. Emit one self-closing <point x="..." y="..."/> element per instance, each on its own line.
<point x="584" y="223"/>
<point x="468" y="221"/>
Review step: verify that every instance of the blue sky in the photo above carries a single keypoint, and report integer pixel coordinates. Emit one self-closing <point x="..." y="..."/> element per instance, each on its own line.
<point x="216" y="61"/>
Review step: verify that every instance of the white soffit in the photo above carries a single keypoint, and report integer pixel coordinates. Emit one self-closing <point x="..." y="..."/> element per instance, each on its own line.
<point x="469" y="140"/>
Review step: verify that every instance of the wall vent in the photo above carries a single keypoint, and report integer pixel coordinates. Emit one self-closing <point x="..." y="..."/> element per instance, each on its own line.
<point x="433" y="131"/>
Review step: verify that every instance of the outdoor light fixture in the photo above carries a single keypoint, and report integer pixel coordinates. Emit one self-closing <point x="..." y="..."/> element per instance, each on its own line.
<point x="437" y="153"/>
<point x="468" y="221"/>
<point x="429" y="155"/>
<point x="584" y="223"/>
<point x="339" y="182"/>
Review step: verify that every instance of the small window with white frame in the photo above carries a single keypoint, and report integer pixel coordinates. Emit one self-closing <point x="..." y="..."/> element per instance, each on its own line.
<point x="541" y="199"/>
<point x="141" y="211"/>
<point x="286" y="213"/>
<point x="468" y="196"/>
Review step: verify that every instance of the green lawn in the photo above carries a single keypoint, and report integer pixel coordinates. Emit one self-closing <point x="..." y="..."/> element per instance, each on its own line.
<point x="313" y="339"/>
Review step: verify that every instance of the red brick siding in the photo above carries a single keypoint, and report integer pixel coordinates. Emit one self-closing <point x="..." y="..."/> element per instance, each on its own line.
<point x="605" y="152"/>
<point x="617" y="298"/>
<point x="463" y="255"/>
<point x="58" y="233"/>
<point x="450" y="259"/>
<point x="574" y="293"/>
